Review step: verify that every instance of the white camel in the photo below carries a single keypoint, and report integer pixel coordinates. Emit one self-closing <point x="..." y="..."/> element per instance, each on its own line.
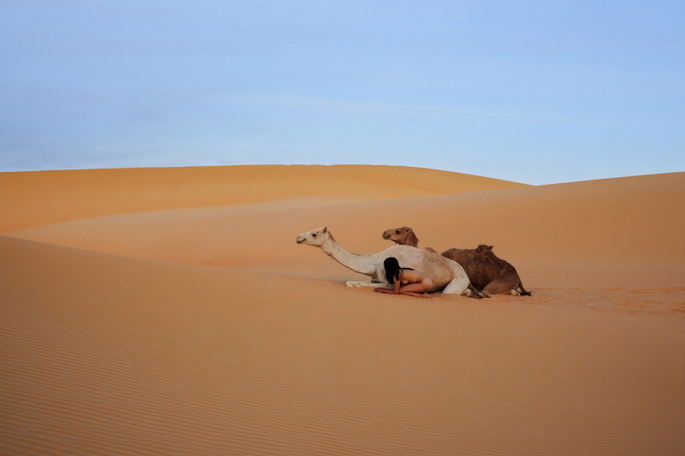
<point x="446" y="274"/>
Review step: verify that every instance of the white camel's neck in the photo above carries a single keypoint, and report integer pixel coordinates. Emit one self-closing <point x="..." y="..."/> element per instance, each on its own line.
<point x="363" y="264"/>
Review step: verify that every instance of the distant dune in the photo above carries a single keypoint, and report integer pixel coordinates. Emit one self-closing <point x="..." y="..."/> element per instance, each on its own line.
<point x="46" y="197"/>
<point x="170" y="311"/>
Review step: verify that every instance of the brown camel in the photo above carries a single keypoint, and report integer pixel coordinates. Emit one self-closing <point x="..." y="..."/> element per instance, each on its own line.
<point x="486" y="271"/>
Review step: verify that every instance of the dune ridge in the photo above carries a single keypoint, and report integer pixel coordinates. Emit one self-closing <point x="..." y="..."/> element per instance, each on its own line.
<point x="35" y="198"/>
<point x="194" y="324"/>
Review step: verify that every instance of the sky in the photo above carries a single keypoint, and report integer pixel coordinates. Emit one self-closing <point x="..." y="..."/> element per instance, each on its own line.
<point x="538" y="92"/>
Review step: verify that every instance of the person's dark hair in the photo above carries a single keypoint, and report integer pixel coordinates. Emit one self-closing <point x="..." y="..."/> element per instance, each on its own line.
<point x="392" y="269"/>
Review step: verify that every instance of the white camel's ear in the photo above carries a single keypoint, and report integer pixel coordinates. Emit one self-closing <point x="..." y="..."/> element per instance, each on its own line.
<point x="325" y="228"/>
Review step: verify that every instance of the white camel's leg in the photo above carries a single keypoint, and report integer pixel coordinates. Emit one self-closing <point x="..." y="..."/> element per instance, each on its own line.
<point x="364" y="283"/>
<point x="458" y="285"/>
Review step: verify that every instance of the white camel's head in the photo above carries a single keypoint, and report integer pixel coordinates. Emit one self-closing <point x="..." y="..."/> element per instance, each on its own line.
<point x="315" y="237"/>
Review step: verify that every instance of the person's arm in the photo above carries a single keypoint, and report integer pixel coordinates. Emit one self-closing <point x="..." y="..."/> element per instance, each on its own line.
<point x="398" y="283"/>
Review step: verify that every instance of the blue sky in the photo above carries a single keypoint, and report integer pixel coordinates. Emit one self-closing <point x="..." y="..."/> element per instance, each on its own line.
<point x="530" y="91"/>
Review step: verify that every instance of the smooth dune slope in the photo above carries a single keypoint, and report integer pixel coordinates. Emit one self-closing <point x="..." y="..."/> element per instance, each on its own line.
<point x="113" y="355"/>
<point x="170" y="311"/>
<point x="45" y="197"/>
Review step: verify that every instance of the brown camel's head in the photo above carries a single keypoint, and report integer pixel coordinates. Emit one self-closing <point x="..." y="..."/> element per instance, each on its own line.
<point x="402" y="236"/>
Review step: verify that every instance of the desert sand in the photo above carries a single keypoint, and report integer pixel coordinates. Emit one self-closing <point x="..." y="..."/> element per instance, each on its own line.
<point x="169" y="311"/>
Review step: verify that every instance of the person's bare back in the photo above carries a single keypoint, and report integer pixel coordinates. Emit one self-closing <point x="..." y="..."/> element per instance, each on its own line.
<point x="411" y="276"/>
<point x="410" y="283"/>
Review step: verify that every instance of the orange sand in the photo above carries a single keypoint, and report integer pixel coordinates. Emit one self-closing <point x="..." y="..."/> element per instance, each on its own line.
<point x="170" y="311"/>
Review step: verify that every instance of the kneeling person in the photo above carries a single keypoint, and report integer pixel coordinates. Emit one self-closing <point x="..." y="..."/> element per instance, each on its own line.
<point x="405" y="281"/>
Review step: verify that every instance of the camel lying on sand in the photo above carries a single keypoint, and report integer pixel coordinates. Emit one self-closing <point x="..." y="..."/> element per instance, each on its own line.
<point x="486" y="271"/>
<point x="446" y="274"/>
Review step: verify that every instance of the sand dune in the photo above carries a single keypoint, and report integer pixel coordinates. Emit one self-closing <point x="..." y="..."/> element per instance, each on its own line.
<point x="144" y="319"/>
<point x="46" y="197"/>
